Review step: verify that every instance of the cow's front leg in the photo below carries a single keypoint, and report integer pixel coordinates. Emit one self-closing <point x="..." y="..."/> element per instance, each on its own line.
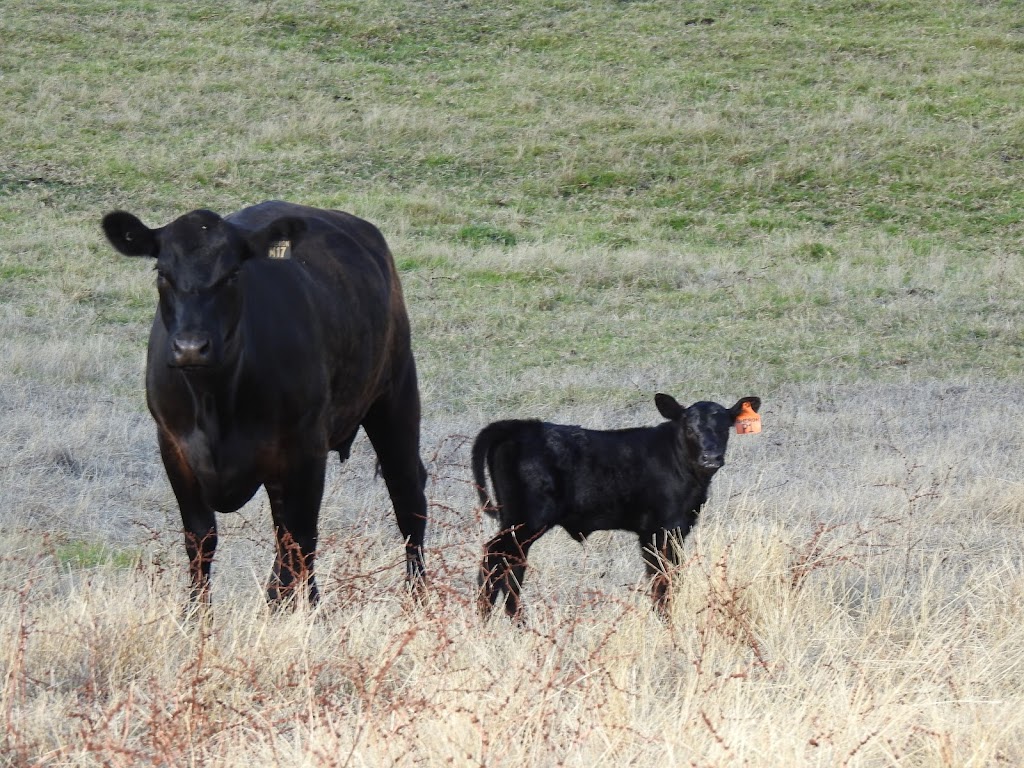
<point x="198" y="520"/>
<point x="295" y="505"/>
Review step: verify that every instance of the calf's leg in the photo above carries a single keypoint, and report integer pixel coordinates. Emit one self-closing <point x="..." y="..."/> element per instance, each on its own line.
<point x="504" y="568"/>
<point x="660" y="551"/>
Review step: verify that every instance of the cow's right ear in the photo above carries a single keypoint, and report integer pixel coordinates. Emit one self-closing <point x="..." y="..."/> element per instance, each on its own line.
<point x="668" y="407"/>
<point x="129" y="235"/>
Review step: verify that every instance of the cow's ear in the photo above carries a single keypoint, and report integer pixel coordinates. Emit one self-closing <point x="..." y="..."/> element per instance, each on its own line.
<point x="284" y="230"/>
<point x="753" y="402"/>
<point x="668" y="407"/>
<point x="129" y="235"/>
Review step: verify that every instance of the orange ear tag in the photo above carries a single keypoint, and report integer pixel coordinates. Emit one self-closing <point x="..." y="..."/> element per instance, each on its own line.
<point x="748" y="422"/>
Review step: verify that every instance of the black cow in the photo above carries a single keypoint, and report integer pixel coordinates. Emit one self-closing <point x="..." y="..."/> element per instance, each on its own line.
<point x="649" y="480"/>
<point x="259" y="366"/>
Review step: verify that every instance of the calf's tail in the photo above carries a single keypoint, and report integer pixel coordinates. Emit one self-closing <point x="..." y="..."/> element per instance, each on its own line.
<point x="481" y="450"/>
<point x="483" y="447"/>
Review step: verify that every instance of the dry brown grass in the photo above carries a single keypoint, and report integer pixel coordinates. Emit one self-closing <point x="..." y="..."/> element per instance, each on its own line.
<point x="853" y="596"/>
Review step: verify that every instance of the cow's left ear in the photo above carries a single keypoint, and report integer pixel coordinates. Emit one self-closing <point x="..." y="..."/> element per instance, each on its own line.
<point x="129" y="235"/>
<point x="286" y="229"/>
<point x="753" y="402"/>
<point x="668" y="407"/>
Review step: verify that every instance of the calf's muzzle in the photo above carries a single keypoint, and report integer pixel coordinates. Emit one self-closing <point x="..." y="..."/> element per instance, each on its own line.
<point x="709" y="460"/>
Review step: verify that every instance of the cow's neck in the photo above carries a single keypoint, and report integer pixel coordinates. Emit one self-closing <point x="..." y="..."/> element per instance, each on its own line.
<point x="214" y="397"/>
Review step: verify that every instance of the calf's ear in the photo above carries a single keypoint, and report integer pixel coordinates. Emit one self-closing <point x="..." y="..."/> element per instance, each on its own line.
<point x="129" y="235"/>
<point x="668" y="407"/>
<point x="753" y="402"/>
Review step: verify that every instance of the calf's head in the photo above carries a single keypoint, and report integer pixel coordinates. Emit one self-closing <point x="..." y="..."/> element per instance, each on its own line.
<point x="199" y="260"/>
<point x="703" y="428"/>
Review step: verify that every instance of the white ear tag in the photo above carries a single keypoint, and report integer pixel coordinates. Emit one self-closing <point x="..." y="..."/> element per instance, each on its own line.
<point x="281" y="249"/>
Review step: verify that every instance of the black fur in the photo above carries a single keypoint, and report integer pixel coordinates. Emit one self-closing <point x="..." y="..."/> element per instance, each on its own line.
<point x="258" y="367"/>
<point x="649" y="480"/>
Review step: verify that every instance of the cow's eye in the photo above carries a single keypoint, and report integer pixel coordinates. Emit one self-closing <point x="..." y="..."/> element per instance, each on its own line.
<point x="163" y="281"/>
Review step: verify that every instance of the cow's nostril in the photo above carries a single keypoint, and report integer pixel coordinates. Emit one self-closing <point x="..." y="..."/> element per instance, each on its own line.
<point x="191" y="350"/>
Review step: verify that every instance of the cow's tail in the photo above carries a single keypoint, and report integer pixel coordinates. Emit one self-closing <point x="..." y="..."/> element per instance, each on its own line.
<point x="483" y="447"/>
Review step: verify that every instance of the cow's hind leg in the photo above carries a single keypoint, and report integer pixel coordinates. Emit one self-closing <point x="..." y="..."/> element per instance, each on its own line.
<point x="198" y="520"/>
<point x="295" y="505"/>
<point x="393" y="426"/>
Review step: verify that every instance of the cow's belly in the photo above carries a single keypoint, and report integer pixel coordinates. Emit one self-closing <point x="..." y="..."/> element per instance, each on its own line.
<point x="228" y="491"/>
<point x="229" y="497"/>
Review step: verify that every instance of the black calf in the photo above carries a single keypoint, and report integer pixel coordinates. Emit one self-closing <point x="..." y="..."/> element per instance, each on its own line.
<point x="649" y="480"/>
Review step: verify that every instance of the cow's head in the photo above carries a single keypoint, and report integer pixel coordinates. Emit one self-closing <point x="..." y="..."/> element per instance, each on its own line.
<point x="199" y="260"/>
<point x="704" y="428"/>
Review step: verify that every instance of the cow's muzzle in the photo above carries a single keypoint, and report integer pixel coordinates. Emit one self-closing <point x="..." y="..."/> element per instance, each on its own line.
<point x="191" y="350"/>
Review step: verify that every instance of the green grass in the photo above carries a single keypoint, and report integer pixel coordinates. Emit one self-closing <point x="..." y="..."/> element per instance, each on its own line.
<point x="779" y="140"/>
<point x="80" y="554"/>
<point x="831" y="116"/>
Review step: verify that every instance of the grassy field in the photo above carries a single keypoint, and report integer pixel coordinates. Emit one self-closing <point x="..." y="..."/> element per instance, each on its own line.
<point x="821" y="204"/>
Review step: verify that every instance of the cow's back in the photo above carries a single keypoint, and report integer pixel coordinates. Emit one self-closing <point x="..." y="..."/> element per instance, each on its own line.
<point x="329" y="237"/>
<point x="362" y="328"/>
